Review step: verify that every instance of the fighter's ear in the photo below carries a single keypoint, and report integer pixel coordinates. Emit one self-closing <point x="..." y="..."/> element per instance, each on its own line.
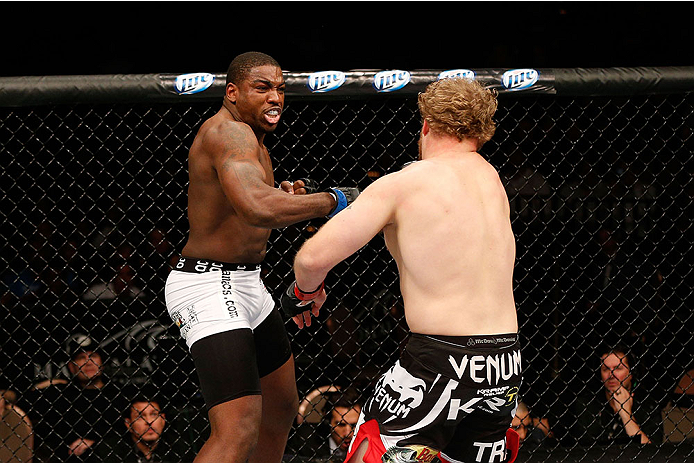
<point x="231" y="92"/>
<point x="425" y="128"/>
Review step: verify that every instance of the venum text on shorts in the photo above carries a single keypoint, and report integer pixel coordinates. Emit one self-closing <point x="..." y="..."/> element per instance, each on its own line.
<point x="227" y="293"/>
<point x="487" y="369"/>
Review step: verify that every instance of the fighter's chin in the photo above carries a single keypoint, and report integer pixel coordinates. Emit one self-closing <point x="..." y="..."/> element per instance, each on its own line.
<point x="272" y="118"/>
<point x="268" y="126"/>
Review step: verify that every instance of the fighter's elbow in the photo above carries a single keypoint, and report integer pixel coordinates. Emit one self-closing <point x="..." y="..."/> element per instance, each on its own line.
<point x="307" y="261"/>
<point x="257" y="217"/>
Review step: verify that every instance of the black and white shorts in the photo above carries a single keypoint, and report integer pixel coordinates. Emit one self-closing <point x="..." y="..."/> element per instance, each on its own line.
<point x="451" y="397"/>
<point x="230" y="324"/>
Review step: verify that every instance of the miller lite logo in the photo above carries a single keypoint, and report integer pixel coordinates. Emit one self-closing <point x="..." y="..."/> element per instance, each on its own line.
<point x="187" y="84"/>
<point x="457" y="73"/>
<point x="390" y="81"/>
<point x="519" y="79"/>
<point x="325" y="81"/>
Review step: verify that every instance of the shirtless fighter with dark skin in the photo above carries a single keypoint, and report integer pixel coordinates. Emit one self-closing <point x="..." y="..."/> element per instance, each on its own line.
<point x="232" y="207"/>
<point x="232" y="202"/>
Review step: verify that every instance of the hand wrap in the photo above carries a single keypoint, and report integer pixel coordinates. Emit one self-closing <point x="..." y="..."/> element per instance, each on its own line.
<point x="343" y="196"/>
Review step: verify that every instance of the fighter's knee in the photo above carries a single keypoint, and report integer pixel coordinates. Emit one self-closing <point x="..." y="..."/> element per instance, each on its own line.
<point x="233" y="429"/>
<point x="241" y="436"/>
<point x="288" y="409"/>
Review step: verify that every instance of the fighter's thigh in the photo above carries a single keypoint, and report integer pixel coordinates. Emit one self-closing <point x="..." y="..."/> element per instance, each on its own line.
<point x="226" y="366"/>
<point x="280" y="396"/>
<point x="272" y="346"/>
<point x="276" y="369"/>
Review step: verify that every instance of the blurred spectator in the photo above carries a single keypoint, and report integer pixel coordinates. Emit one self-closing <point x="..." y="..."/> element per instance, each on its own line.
<point x="16" y="436"/>
<point x="70" y="417"/>
<point x="160" y="256"/>
<point x="684" y="391"/>
<point x="22" y="276"/>
<point x="123" y="284"/>
<point x="530" y="429"/>
<point x="162" y="247"/>
<point x="618" y="412"/>
<point x="329" y="438"/>
<point x="141" y="436"/>
<point x="678" y="415"/>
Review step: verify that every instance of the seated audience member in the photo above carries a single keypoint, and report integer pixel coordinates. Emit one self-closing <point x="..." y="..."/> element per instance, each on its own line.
<point x="530" y="429"/>
<point x="684" y="390"/>
<point x="141" y="436"/>
<point x="16" y="434"/>
<point x="330" y="439"/>
<point x="619" y="412"/>
<point x="678" y="415"/>
<point x="71" y="417"/>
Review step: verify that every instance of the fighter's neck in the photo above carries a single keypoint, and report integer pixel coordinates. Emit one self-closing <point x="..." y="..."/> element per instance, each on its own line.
<point x="441" y="147"/>
<point x="234" y="113"/>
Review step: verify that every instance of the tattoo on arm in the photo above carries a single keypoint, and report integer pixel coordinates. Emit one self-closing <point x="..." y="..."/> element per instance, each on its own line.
<point x="240" y="154"/>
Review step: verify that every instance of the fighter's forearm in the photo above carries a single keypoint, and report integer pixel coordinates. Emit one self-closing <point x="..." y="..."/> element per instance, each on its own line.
<point x="282" y="209"/>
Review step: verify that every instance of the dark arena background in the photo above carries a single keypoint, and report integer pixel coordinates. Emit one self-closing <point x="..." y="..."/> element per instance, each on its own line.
<point x="597" y="164"/>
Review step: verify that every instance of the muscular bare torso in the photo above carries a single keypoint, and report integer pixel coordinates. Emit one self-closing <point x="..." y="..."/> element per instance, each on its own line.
<point x="217" y="230"/>
<point x="452" y="240"/>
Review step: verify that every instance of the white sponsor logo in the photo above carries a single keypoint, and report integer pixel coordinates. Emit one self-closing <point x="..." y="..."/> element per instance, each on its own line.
<point x="457" y="73"/>
<point x="390" y="81"/>
<point x="398" y="392"/>
<point x="187" y="84"/>
<point x="325" y="81"/>
<point x="203" y="266"/>
<point x="493" y="391"/>
<point x="519" y="79"/>
<point x="488" y="367"/>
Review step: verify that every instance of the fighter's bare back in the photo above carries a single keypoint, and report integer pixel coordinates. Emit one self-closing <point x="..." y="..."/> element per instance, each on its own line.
<point x="461" y="282"/>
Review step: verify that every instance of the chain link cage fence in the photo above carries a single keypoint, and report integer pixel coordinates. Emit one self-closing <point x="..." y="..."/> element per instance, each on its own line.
<point x="598" y="169"/>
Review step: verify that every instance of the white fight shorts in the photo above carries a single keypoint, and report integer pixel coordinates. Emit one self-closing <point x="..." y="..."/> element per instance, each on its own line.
<point x="205" y="297"/>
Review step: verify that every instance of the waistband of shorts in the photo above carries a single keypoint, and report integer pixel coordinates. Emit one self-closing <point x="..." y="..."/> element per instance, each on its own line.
<point x="488" y="341"/>
<point x="194" y="265"/>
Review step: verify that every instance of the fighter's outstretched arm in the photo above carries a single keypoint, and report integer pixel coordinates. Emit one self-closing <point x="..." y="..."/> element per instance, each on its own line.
<point x="343" y="235"/>
<point x="236" y="156"/>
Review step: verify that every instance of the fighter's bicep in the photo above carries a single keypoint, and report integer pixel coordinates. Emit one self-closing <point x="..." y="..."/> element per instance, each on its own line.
<point x="236" y="160"/>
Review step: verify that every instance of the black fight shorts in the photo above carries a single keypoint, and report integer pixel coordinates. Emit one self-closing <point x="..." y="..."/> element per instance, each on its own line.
<point x="451" y="398"/>
<point x="230" y="364"/>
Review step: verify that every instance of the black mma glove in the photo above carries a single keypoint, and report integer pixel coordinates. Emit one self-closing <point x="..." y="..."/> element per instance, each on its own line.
<point x="343" y="196"/>
<point x="311" y="186"/>
<point x="294" y="301"/>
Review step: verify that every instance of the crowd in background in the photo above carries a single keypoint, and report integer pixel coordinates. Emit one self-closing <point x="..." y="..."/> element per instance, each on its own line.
<point x="83" y="414"/>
